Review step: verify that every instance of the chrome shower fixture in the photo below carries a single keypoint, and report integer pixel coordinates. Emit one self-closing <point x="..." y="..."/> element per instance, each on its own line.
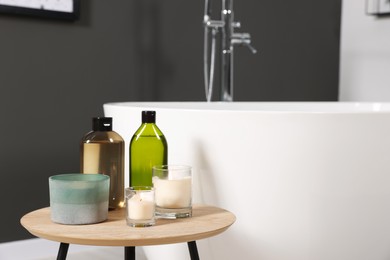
<point x="229" y="39"/>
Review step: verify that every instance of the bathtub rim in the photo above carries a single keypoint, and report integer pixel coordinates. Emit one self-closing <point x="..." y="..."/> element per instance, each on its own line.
<point x="309" y="107"/>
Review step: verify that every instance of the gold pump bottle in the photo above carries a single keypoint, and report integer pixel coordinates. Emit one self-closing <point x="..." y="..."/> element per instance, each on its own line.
<point x="102" y="151"/>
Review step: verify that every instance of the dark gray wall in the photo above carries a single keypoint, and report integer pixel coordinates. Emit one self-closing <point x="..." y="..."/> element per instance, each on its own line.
<point x="297" y="42"/>
<point x="55" y="76"/>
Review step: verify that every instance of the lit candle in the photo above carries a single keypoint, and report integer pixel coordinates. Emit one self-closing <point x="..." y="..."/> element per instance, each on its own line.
<point x="140" y="208"/>
<point x="173" y="193"/>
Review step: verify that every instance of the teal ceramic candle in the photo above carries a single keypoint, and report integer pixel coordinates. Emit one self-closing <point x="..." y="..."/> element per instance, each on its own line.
<point x="77" y="198"/>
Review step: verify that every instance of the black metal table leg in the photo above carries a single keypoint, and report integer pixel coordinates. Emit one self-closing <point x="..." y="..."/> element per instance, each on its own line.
<point x="193" y="250"/>
<point x="63" y="251"/>
<point x="130" y="253"/>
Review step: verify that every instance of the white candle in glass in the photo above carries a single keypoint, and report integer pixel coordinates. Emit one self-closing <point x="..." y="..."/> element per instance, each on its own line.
<point x="173" y="193"/>
<point x="139" y="207"/>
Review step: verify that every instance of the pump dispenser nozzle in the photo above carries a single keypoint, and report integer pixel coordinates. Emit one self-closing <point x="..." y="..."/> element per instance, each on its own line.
<point x="102" y="124"/>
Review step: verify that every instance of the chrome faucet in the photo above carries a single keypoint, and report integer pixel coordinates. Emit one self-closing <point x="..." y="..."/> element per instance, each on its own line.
<point x="228" y="40"/>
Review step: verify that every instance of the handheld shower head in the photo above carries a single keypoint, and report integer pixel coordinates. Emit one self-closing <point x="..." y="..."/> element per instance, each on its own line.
<point x="207" y="8"/>
<point x="228" y="39"/>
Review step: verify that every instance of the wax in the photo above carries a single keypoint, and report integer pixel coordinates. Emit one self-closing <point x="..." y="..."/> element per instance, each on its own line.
<point x="173" y="193"/>
<point x="140" y="208"/>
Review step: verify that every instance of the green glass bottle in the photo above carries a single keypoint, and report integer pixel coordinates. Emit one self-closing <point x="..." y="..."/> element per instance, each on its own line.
<point x="148" y="147"/>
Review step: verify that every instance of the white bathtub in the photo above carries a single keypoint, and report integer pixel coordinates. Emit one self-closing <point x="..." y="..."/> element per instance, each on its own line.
<point x="305" y="180"/>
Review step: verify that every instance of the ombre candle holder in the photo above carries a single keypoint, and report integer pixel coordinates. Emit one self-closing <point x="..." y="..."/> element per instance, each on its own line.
<point x="79" y="198"/>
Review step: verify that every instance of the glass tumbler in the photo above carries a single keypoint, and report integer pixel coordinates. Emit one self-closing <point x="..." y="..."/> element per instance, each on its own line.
<point x="173" y="188"/>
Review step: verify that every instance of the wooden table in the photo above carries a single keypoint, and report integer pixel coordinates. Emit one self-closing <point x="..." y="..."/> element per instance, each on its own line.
<point x="207" y="221"/>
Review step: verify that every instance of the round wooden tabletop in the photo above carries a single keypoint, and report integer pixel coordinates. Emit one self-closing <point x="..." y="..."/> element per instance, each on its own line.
<point x="206" y="221"/>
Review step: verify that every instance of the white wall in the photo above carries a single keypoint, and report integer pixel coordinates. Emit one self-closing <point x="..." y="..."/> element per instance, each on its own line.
<point x="365" y="54"/>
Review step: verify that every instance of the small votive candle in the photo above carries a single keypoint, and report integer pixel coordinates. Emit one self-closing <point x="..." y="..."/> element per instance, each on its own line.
<point x="173" y="188"/>
<point x="140" y="206"/>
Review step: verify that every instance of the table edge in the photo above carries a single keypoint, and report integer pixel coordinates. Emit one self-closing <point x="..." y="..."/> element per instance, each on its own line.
<point x="121" y="242"/>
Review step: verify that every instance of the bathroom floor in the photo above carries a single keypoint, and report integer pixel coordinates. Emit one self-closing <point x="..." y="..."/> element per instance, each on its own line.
<point x="40" y="249"/>
<point x="93" y="253"/>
